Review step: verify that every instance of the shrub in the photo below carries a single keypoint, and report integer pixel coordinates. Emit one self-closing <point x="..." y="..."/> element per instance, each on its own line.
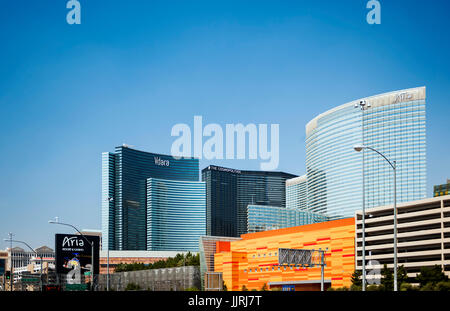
<point x="443" y="286"/>
<point x="375" y="288"/>
<point x="427" y="287"/>
<point x="406" y="287"/>
<point x="132" y="286"/>
<point x="355" y="288"/>
<point x="192" y="289"/>
<point x="244" y="288"/>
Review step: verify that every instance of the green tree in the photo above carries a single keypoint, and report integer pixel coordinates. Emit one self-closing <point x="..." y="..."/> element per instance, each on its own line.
<point x="356" y="278"/>
<point x="402" y="275"/>
<point x="178" y="261"/>
<point x="244" y="288"/>
<point x="431" y="275"/>
<point x="387" y="278"/>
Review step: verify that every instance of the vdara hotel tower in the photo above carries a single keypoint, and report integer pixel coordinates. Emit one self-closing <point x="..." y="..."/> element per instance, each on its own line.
<point x="392" y="123"/>
<point x="151" y="201"/>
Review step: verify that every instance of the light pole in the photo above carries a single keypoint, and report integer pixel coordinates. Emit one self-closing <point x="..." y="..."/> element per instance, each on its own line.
<point x="393" y="164"/>
<point x="110" y="199"/>
<point x="363" y="105"/>
<point x="56" y="222"/>
<point x="10" y="263"/>
<point x="34" y="251"/>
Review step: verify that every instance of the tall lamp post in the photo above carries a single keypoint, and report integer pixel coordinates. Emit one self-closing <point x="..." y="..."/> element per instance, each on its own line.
<point x="56" y="222"/>
<point x="393" y="164"/>
<point x="363" y="105"/>
<point x="110" y="199"/>
<point x="34" y="251"/>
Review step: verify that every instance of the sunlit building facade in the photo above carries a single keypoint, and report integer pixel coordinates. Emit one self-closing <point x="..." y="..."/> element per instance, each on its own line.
<point x="176" y="214"/>
<point x="264" y="217"/>
<point x="297" y="193"/>
<point x="394" y="124"/>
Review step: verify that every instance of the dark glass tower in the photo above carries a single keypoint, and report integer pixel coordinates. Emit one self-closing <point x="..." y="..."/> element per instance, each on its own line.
<point x="230" y="191"/>
<point x="124" y="192"/>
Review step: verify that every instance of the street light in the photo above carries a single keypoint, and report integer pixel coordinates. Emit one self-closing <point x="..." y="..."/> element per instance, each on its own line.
<point x="110" y="199"/>
<point x="34" y="251"/>
<point x="56" y="222"/>
<point x="393" y="164"/>
<point x="363" y="105"/>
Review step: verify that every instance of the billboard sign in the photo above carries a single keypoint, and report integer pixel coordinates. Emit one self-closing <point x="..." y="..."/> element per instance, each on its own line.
<point x="2" y="266"/>
<point x="74" y="253"/>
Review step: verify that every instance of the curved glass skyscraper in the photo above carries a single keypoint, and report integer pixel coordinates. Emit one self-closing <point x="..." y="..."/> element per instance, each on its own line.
<point x="394" y="124"/>
<point x="124" y="192"/>
<point x="176" y="214"/>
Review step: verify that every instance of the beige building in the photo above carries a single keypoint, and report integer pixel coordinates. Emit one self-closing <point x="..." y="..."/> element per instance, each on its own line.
<point x="423" y="236"/>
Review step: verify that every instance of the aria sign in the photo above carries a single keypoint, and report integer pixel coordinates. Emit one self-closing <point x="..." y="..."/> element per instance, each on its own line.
<point x="403" y="97"/>
<point x="74" y="253"/>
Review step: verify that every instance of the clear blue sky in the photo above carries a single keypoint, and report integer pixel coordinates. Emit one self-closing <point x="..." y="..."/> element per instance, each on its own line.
<point x="133" y="69"/>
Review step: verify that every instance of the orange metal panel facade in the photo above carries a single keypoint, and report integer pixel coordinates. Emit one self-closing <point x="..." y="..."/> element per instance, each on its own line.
<point x="253" y="260"/>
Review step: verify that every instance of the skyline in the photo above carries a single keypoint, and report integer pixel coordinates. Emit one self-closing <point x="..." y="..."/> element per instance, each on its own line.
<point x="128" y="73"/>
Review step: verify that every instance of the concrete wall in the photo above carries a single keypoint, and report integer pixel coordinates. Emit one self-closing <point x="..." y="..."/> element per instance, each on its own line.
<point x="167" y="279"/>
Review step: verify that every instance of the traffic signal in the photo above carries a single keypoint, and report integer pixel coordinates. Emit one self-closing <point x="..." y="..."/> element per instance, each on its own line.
<point x="8" y="275"/>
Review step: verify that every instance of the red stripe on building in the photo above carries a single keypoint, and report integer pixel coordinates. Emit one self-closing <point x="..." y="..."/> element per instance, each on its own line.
<point x="336" y="250"/>
<point x="253" y="279"/>
<point x="336" y="279"/>
<point x="265" y="247"/>
<point x="349" y="255"/>
<point x="323" y="239"/>
<point x="308" y="244"/>
<point x="269" y="264"/>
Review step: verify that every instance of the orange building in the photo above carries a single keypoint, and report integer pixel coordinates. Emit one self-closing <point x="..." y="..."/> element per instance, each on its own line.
<point x="253" y="261"/>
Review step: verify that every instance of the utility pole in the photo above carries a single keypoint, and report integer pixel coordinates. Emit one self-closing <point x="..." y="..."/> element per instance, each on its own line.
<point x="11" y="263"/>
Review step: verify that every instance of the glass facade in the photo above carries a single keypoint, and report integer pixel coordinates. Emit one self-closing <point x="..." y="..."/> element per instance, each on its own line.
<point x="440" y="190"/>
<point x="176" y="214"/>
<point x="124" y="192"/>
<point x="297" y="193"/>
<point x="229" y="191"/>
<point x="264" y="217"/>
<point x="394" y="124"/>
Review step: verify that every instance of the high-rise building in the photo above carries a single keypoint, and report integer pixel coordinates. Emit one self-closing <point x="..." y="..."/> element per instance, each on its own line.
<point x="265" y="217"/>
<point x="394" y="124"/>
<point x="230" y="191"/>
<point x="440" y="190"/>
<point x="297" y="193"/>
<point x="176" y="214"/>
<point x="125" y="209"/>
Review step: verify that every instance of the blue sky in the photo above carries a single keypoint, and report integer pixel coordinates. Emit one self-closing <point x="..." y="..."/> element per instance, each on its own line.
<point x="133" y="69"/>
